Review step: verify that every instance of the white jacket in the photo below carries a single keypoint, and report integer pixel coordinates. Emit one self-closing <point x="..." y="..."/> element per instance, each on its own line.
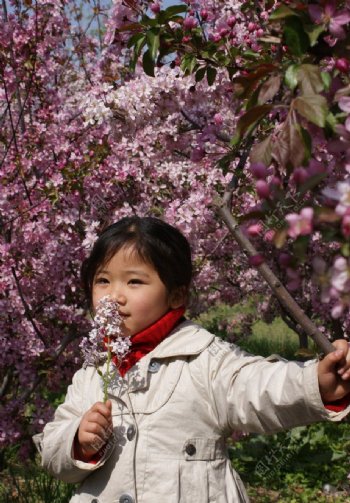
<point x="171" y="415"/>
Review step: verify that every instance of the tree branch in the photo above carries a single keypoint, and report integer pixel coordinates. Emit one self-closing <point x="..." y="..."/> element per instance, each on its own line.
<point x="282" y="294"/>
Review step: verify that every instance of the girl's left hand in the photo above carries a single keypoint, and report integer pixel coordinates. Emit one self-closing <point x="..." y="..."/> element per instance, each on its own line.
<point x="334" y="373"/>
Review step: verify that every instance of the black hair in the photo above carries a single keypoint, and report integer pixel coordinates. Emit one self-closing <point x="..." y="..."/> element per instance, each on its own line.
<point x="153" y="240"/>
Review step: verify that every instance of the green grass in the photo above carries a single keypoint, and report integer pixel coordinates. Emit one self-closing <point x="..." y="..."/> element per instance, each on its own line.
<point x="262" y="339"/>
<point x="28" y="483"/>
<point x="267" y="339"/>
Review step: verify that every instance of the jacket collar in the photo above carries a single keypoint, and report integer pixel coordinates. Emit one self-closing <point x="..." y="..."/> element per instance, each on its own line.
<point x="186" y="339"/>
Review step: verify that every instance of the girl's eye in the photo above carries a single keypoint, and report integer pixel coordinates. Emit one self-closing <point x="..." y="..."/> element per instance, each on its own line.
<point x="101" y="281"/>
<point x="135" y="282"/>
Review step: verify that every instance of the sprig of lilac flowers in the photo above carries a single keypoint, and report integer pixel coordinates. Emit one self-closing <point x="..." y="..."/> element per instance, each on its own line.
<point x="105" y="340"/>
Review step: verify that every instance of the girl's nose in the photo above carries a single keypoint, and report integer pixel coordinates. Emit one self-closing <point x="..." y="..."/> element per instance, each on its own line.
<point x="119" y="297"/>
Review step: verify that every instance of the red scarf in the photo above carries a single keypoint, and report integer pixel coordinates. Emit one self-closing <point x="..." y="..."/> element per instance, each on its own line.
<point x="145" y="341"/>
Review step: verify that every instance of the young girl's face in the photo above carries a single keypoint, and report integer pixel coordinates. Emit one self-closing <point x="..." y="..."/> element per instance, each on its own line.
<point x="136" y="286"/>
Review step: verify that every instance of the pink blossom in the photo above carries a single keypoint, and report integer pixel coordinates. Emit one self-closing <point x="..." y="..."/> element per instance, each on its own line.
<point x="204" y="14"/>
<point x="231" y="21"/>
<point x="343" y="65"/>
<point x="329" y="15"/>
<point x="300" y="224"/>
<point x="262" y="189"/>
<point x="189" y="23"/>
<point x="218" y="119"/>
<point x="255" y="229"/>
<point x="300" y="175"/>
<point x="155" y="7"/>
<point x="344" y="104"/>
<point x="270" y="235"/>
<point x="259" y="170"/>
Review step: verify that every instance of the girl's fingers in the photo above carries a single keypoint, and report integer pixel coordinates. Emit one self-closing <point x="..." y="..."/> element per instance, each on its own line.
<point x="344" y="363"/>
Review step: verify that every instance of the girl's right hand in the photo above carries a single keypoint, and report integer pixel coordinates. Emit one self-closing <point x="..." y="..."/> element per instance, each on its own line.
<point x="94" y="430"/>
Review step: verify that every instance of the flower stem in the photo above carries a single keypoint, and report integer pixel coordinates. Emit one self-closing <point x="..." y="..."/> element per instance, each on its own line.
<point x="107" y="374"/>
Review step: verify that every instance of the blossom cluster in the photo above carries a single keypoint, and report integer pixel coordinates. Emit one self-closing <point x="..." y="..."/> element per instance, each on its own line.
<point x="106" y="334"/>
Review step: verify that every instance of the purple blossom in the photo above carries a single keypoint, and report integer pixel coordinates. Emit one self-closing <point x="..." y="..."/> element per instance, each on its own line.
<point x="105" y="339"/>
<point x="330" y="16"/>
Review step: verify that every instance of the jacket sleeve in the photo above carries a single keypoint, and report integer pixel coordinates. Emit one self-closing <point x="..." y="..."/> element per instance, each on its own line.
<point x="262" y="395"/>
<point x="55" y="443"/>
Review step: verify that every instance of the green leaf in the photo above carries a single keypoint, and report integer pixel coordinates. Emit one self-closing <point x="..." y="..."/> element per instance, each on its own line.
<point x="211" y="75"/>
<point x="291" y="76"/>
<point x="249" y="54"/>
<point x="152" y="37"/>
<point x="307" y="143"/>
<point x="175" y="9"/>
<point x="314" y="31"/>
<point x="148" y="21"/>
<point x="200" y="74"/>
<point x="139" y="40"/>
<point x="327" y="80"/>
<point x="295" y="36"/>
<point x="282" y="13"/>
<point x="313" y="107"/>
<point x="148" y="64"/>
<point x="310" y="79"/>
<point x="345" y="250"/>
<point x="188" y="63"/>
<point x="331" y="121"/>
<point x="135" y="38"/>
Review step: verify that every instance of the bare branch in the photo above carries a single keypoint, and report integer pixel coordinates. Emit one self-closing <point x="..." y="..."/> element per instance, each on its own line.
<point x="27" y="310"/>
<point x="5" y="383"/>
<point x="303" y="340"/>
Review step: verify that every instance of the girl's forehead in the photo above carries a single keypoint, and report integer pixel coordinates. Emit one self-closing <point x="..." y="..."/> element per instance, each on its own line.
<point x="127" y="254"/>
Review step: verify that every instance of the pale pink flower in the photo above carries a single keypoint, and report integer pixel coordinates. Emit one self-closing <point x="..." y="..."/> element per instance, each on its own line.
<point x="340" y="275"/>
<point x="340" y="193"/>
<point x="104" y="340"/>
<point x="255" y="229"/>
<point x="300" y="224"/>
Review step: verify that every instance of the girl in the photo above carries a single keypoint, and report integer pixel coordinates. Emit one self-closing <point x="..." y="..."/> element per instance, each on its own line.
<point x="160" y="438"/>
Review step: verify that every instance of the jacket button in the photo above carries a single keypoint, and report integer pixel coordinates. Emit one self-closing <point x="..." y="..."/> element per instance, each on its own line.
<point x="130" y="432"/>
<point x="126" y="498"/>
<point x="190" y="449"/>
<point x="153" y="367"/>
<point x="94" y="500"/>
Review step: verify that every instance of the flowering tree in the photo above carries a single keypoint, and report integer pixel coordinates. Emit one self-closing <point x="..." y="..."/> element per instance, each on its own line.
<point x="147" y="110"/>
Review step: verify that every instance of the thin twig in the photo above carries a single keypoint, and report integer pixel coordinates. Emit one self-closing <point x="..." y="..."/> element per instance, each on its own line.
<point x="27" y="310"/>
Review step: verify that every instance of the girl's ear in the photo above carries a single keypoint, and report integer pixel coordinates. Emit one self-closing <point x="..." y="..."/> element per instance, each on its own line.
<point x="178" y="297"/>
